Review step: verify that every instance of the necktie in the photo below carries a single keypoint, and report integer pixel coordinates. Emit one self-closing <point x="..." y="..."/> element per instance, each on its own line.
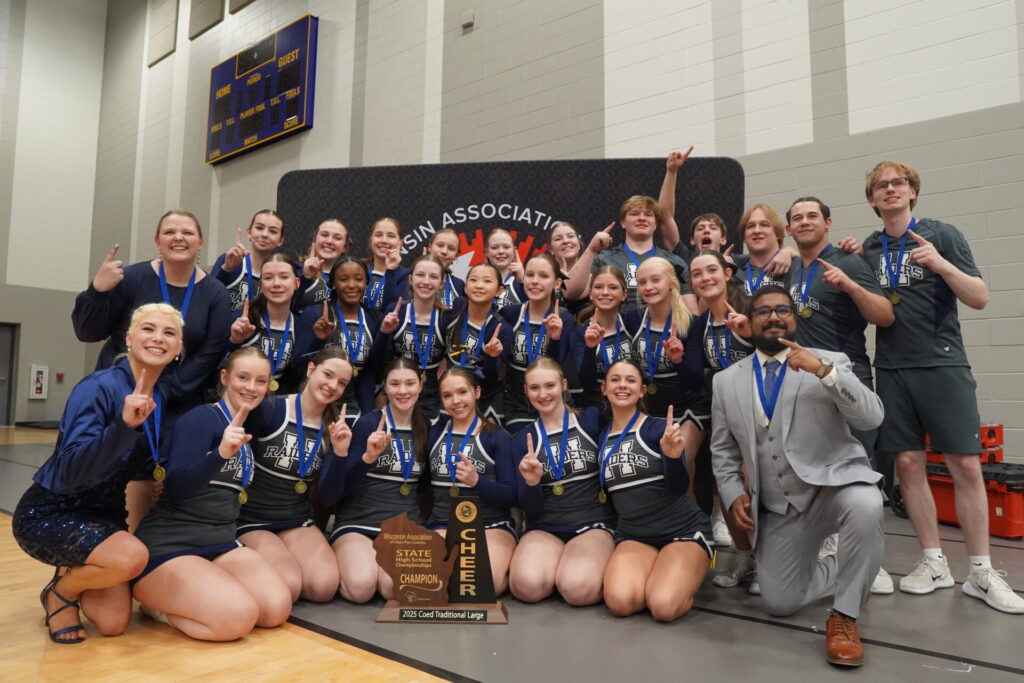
<point x="771" y="369"/>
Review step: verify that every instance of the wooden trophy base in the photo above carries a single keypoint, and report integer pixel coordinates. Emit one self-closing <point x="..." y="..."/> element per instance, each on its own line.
<point x="457" y="613"/>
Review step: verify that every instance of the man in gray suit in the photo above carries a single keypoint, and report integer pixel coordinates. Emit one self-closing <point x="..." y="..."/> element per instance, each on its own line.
<point x="784" y="415"/>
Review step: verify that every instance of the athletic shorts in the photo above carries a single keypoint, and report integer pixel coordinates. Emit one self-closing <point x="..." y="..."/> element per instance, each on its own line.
<point x="659" y="543"/>
<point x="937" y="401"/>
<point x="567" y="533"/>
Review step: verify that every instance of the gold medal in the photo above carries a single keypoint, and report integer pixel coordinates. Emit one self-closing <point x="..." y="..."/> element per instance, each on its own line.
<point x="558" y="489"/>
<point x="806" y="312"/>
<point x="453" y="491"/>
<point x="300" y="487"/>
<point x="652" y="388"/>
<point x="274" y="386"/>
<point x="159" y="473"/>
<point x="894" y="297"/>
<point x="423" y="377"/>
<point x="602" y="496"/>
<point x="405" y="489"/>
<point x="243" y="497"/>
<point x="355" y="372"/>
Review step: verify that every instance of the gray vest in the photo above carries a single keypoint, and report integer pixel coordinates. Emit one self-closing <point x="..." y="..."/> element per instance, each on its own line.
<point x="780" y="487"/>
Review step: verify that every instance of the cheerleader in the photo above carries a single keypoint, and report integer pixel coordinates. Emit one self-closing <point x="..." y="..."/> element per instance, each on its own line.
<point x="568" y="537"/>
<point x="469" y="456"/>
<point x="662" y="552"/>
<point x="500" y="250"/>
<point x="291" y="451"/>
<point x="476" y="338"/>
<point x="199" y="579"/>
<point x="238" y="268"/>
<point x="444" y="245"/>
<point x="73" y="515"/>
<point x="102" y="311"/>
<point x="416" y="329"/>
<point x="537" y="328"/>
<point x="607" y="336"/>
<point x="329" y="244"/>
<point x="353" y="329"/>
<point x="389" y="452"/>
<point x="269" y="324"/>
<point x="675" y="371"/>
<point x="385" y="265"/>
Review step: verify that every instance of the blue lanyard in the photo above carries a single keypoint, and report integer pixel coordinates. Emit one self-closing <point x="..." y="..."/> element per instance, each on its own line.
<point x="805" y="283"/>
<point x="632" y="255"/>
<point x="422" y="353"/>
<point x="603" y="350"/>
<point x="250" y="293"/>
<point x="465" y="340"/>
<point x="605" y="457"/>
<point x="557" y="464"/>
<point x="768" y="404"/>
<point x="754" y="285"/>
<point x="275" y="361"/>
<point x="188" y="291"/>
<point x="406" y="462"/>
<point x="353" y="351"/>
<point x="894" y="273"/>
<point x="450" y="456"/>
<point x="375" y="292"/>
<point x="652" y="361"/>
<point x="305" y="463"/>
<point x="532" y="349"/>
<point x="153" y="433"/>
<point x="449" y="291"/>
<point x="723" y="359"/>
<point x="245" y="451"/>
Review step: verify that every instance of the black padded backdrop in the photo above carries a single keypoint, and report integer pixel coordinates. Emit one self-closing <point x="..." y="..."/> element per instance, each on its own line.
<point x="525" y="197"/>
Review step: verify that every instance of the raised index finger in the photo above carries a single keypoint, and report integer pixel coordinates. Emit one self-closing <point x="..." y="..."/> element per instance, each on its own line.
<point x="141" y="381"/>
<point x="398" y="304"/>
<point x="341" y="415"/>
<point x="238" y="235"/>
<point x="529" y="444"/>
<point x="791" y="344"/>
<point x="383" y="421"/>
<point x="112" y="253"/>
<point x="668" y="419"/>
<point x="325" y="309"/>
<point x="728" y="249"/>
<point x="917" y="238"/>
<point x="239" y="419"/>
<point x="611" y="226"/>
<point x="496" y="328"/>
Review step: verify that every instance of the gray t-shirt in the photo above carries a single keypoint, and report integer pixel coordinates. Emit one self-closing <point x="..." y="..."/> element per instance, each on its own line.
<point x="927" y="329"/>
<point x="628" y="261"/>
<point x="754" y="277"/>
<point x="835" y="323"/>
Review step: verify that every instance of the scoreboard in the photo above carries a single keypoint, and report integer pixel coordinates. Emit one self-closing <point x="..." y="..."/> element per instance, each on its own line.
<point x="263" y="93"/>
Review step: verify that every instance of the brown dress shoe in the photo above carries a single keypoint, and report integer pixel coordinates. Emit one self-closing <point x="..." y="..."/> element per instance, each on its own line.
<point x="842" y="642"/>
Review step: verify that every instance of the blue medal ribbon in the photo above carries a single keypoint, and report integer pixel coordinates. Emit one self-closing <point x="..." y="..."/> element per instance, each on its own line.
<point x="894" y="272"/>
<point x="406" y="462"/>
<point x="353" y="349"/>
<point x="449" y="291"/>
<point x="603" y="350"/>
<point x="188" y="291"/>
<point x="723" y="359"/>
<point x="533" y="349"/>
<point x="153" y="433"/>
<point x="245" y="451"/>
<point x="652" y="360"/>
<point x="557" y="464"/>
<point x="305" y="463"/>
<point x="636" y="263"/>
<point x="450" y="455"/>
<point x="375" y="292"/>
<point x="250" y="292"/>
<point x="605" y="457"/>
<point x="804" y="283"/>
<point x="768" y="404"/>
<point x="465" y="340"/>
<point x="422" y="353"/>
<point x="275" y="360"/>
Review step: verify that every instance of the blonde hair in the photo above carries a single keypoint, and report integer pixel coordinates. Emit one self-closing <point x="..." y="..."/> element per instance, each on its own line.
<point x="681" y="315"/>
<point x="145" y="309"/>
<point x="640" y="201"/>
<point x="906" y="171"/>
<point x="771" y="214"/>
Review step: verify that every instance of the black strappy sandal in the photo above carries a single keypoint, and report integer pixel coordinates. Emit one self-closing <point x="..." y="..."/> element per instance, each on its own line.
<point x="55" y="635"/>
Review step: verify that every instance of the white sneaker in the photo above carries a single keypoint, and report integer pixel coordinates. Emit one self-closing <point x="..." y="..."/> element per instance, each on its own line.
<point x="928" y="575"/>
<point x="755" y="587"/>
<point x="829" y="547"/>
<point x="719" y="529"/>
<point x="742" y="569"/>
<point x="990" y="586"/>
<point x="882" y="585"/>
<point x="153" y="614"/>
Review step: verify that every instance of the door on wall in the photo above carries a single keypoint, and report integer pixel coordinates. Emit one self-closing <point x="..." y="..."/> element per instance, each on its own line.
<point x="7" y="338"/>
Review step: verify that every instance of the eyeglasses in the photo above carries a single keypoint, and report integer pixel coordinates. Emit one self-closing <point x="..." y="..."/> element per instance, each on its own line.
<point x="883" y="185"/>
<point x="765" y="312"/>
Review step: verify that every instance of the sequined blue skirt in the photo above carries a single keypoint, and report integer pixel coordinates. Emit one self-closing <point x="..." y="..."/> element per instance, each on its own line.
<point x="62" y="530"/>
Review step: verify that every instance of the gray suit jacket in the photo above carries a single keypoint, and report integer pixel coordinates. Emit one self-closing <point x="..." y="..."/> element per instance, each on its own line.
<point x="816" y="423"/>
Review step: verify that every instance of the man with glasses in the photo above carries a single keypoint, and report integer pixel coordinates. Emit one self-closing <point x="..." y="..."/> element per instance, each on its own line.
<point x="925" y="267"/>
<point x="784" y="415"/>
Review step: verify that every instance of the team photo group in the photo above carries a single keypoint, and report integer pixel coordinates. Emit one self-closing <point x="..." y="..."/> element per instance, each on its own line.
<point x="621" y="405"/>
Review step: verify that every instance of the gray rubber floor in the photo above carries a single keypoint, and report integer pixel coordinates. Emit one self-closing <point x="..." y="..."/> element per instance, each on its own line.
<point x="945" y="636"/>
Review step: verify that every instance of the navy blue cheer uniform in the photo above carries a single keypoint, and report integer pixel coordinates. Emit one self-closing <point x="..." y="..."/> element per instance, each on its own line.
<point x="241" y="283"/>
<point x="465" y="347"/>
<point x="518" y="411"/>
<point x="577" y="508"/>
<point x="274" y="502"/>
<point x="374" y="492"/>
<point x="299" y="347"/>
<point x="512" y="293"/>
<point x="592" y="364"/>
<point x="313" y="292"/>
<point x="358" y="395"/>
<point x="450" y="294"/>
<point x="408" y="340"/>
<point x="680" y="385"/>
<point x="385" y="288"/>
<point x="648" y="490"/>
<point x="490" y="451"/>
<point x="104" y="316"/>
<point x="77" y="498"/>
